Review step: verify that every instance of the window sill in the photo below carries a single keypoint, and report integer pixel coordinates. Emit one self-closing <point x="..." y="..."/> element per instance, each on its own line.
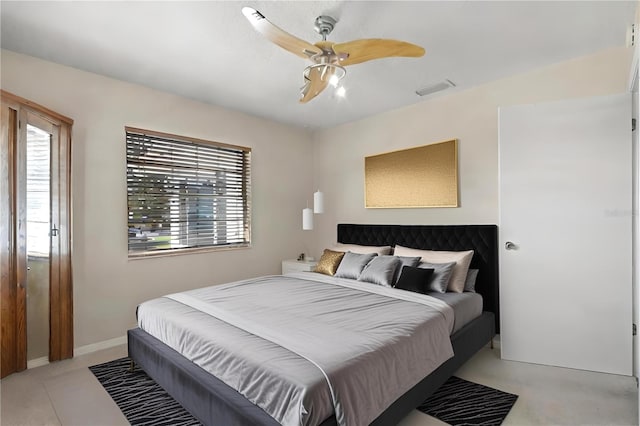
<point x="180" y="252"/>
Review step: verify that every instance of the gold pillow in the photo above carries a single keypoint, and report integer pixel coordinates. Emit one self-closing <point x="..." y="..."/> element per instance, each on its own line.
<point x="329" y="262"/>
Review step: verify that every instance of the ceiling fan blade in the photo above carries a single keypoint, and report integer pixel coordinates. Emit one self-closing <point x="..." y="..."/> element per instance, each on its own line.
<point x="279" y="36"/>
<point x="375" y="48"/>
<point x="315" y="82"/>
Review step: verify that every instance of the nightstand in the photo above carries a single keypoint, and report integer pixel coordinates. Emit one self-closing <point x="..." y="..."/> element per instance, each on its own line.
<point x="292" y="265"/>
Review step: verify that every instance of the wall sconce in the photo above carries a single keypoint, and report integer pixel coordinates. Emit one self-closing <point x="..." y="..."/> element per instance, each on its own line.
<point x="307" y="213"/>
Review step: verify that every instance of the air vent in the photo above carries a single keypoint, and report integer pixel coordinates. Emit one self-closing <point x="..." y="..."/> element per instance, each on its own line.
<point x="435" y="88"/>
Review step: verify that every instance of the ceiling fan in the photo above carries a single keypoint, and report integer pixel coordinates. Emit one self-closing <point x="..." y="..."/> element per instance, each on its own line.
<point x="328" y="58"/>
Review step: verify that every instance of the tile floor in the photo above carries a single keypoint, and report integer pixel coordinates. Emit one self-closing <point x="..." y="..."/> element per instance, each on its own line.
<point x="67" y="393"/>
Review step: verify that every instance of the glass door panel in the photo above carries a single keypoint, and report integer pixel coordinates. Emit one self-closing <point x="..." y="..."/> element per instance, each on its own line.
<point x="38" y="229"/>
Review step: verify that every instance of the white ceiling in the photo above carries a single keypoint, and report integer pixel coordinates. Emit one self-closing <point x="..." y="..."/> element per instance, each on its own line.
<point x="207" y="50"/>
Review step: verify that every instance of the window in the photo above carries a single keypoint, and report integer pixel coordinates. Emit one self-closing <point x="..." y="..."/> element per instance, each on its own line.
<point x="185" y="194"/>
<point x="38" y="194"/>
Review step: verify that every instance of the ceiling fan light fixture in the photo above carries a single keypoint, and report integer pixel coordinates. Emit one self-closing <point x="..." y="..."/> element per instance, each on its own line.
<point x="335" y="72"/>
<point x="341" y="91"/>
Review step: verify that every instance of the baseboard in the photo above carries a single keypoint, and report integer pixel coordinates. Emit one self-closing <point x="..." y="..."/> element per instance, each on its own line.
<point x="38" y="362"/>
<point x="82" y="350"/>
<point x="105" y="344"/>
<point x="496" y="341"/>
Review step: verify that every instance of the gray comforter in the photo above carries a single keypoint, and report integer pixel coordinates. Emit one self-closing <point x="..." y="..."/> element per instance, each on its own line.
<point x="302" y="349"/>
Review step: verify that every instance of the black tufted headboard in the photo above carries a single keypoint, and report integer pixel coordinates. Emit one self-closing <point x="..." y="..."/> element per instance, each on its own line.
<point x="483" y="239"/>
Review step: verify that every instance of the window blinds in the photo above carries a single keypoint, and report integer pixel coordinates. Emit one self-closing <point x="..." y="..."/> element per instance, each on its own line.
<point x="184" y="193"/>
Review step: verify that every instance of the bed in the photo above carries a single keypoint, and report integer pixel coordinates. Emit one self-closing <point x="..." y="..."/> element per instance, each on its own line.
<point x="213" y="402"/>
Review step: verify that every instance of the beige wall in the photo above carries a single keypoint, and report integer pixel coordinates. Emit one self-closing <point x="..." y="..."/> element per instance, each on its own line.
<point x="107" y="286"/>
<point x="471" y="116"/>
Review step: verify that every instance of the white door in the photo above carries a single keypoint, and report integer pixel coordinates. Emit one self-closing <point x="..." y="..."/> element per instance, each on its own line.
<point x="566" y="207"/>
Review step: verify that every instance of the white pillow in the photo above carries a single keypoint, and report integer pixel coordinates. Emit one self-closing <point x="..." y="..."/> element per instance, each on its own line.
<point x="462" y="259"/>
<point x="355" y="248"/>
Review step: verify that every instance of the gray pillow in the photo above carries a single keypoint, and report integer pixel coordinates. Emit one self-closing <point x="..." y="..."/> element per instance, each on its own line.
<point x="352" y="265"/>
<point x="381" y="270"/>
<point x="470" y="283"/>
<point x="405" y="261"/>
<point x="441" y="275"/>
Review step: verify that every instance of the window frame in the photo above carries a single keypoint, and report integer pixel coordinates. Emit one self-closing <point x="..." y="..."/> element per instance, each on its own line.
<point x="148" y="253"/>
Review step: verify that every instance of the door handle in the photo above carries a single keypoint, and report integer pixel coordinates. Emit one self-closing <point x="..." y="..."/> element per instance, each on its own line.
<point x="510" y="246"/>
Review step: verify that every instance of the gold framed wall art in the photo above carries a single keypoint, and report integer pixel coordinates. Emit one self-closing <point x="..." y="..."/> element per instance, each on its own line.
<point x="425" y="176"/>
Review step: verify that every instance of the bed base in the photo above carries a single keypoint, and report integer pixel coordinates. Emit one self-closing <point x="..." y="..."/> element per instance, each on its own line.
<point x="213" y="402"/>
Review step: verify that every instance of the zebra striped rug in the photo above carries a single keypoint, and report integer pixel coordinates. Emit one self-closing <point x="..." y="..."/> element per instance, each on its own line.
<point x="140" y="398"/>
<point x="459" y="402"/>
<point x="144" y="402"/>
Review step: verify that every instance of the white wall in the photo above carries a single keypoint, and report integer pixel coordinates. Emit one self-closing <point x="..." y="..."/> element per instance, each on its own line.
<point x="107" y="286"/>
<point x="471" y="116"/>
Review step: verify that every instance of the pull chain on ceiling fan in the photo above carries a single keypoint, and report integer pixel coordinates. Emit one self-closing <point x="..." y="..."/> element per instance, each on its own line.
<point x="329" y="58"/>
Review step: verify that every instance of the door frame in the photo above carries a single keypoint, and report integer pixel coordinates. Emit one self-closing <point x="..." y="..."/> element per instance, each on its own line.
<point x="13" y="337"/>
<point x="633" y="87"/>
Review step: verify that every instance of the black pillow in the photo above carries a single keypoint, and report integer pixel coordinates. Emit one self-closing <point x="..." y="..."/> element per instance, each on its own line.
<point x="414" y="279"/>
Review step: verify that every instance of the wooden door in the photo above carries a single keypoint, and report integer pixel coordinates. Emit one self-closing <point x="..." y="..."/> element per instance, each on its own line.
<point x="17" y="115"/>
<point x="566" y="232"/>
